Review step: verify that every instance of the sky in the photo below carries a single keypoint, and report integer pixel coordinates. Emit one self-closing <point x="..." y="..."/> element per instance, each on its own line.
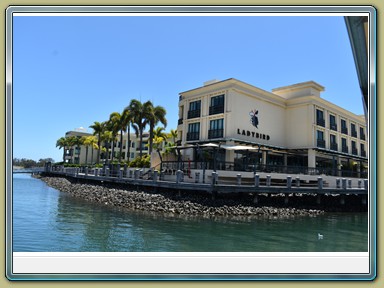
<point x="69" y="72"/>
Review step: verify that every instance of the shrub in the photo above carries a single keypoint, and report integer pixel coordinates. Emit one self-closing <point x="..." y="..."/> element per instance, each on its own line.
<point x="143" y="162"/>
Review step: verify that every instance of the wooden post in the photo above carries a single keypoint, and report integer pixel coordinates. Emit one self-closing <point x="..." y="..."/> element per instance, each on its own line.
<point x="155" y="175"/>
<point x="268" y="180"/>
<point x="320" y="183"/>
<point x="238" y="178"/>
<point x="338" y="183"/>
<point x="349" y="183"/>
<point x="257" y="180"/>
<point x="359" y="183"/>
<point x="289" y="182"/>
<point x="344" y="183"/>
<point x="197" y="177"/>
<point x="297" y="181"/>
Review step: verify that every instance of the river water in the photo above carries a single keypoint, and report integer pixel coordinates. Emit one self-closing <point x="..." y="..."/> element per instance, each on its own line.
<point x="47" y="220"/>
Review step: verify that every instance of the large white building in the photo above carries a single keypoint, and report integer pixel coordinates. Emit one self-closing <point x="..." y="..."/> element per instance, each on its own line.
<point x="290" y="127"/>
<point x="78" y="155"/>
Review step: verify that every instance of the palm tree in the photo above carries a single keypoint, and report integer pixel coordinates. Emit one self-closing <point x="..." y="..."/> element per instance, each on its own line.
<point x="89" y="141"/>
<point x="140" y="113"/>
<point x="71" y="142"/>
<point x="62" y="143"/>
<point x="127" y="119"/>
<point x="107" y="137"/>
<point x="156" y="114"/>
<point x="98" y="129"/>
<point x="114" y="126"/>
<point x="173" y="134"/>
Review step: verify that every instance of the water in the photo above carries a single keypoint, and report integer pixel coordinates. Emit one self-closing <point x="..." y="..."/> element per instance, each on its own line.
<point x="46" y="220"/>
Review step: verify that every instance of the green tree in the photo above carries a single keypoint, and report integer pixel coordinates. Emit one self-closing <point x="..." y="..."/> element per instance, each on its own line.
<point x="173" y="135"/>
<point x="98" y="129"/>
<point x="140" y="113"/>
<point x="155" y="115"/>
<point x="62" y="143"/>
<point x="89" y="141"/>
<point x="72" y="141"/>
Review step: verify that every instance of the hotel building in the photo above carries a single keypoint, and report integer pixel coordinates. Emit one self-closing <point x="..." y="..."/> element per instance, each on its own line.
<point x="237" y="126"/>
<point x="79" y="154"/>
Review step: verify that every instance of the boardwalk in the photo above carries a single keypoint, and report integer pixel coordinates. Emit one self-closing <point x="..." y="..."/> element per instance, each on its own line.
<point x="152" y="179"/>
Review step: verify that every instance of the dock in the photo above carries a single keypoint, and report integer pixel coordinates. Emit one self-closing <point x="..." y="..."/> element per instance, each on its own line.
<point x="259" y="184"/>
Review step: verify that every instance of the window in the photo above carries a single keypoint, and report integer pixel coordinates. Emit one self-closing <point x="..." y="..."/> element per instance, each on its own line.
<point x="216" y="129"/>
<point x="332" y="122"/>
<point x="217" y="105"/>
<point x="344" y="147"/>
<point x="193" y="131"/>
<point x="194" y="109"/>
<point x="320" y="139"/>
<point x="354" y="149"/>
<point x="362" y="134"/>
<point x="363" y="153"/>
<point x="333" y="143"/>
<point x="353" y="130"/>
<point x="320" y="118"/>
<point x="344" y="128"/>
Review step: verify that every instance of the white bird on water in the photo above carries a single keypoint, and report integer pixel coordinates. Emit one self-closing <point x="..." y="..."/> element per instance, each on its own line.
<point x="320" y="236"/>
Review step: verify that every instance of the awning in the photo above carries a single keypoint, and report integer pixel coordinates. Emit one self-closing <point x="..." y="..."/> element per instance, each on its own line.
<point x="238" y="147"/>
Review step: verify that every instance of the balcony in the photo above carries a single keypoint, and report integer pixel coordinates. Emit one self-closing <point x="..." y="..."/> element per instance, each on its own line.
<point x="320" y="122"/>
<point x="354" y="133"/>
<point x="320" y="143"/>
<point x="333" y="126"/>
<point x="333" y="146"/>
<point x="193" y="136"/>
<point x="216" y="109"/>
<point x="194" y="113"/>
<point x="354" y="151"/>
<point x="180" y="121"/>
<point x="344" y="149"/>
<point x="362" y="137"/>
<point x="344" y="130"/>
<point x="218" y="133"/>
<point x="363" y="153"/>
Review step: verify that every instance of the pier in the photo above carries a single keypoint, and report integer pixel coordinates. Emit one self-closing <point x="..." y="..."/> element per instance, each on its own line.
<point x="215" y="185"/>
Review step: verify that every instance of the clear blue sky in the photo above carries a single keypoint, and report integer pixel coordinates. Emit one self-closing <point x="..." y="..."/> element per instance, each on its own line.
<point x="71" y="71"/>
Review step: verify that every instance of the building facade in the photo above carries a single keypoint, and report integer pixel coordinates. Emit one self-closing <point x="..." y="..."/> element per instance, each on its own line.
<point x="291" y="126"/>
<point x="82" y="155"/>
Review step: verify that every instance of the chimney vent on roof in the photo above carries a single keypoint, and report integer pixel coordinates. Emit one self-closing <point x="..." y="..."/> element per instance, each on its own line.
<point x="210" y="82"/>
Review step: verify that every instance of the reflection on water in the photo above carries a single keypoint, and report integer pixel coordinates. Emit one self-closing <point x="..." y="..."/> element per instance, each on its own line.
<point x="48" y="220"/>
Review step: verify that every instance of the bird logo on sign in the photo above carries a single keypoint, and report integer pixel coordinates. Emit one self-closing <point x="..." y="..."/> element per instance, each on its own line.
<point x="254" y="118"/>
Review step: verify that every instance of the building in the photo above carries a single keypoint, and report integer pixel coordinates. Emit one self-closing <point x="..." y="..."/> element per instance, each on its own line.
<point x="78" y="154"/>
<point x="232" y="125"/>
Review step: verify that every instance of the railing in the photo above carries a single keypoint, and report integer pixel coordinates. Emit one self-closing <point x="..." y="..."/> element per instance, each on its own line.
<point x="320" y="122"/>
<point x="218" y="133"/>
<point x="216" y="109"/>
<point x="180" y="121"/>
<point x="193" y="136"/>
<point x="344" y="149"/>
<point x="194" y="113"/>
<point x="170" y="167"/>
<point x="362" y="136"/>
<point x="354" y="134"/>
<point x="333" y="146"/>
<point x="333" y="126"/>
<point x="320" y="143"/>
<point x="354" y="151"/>
<point x="363" y="154"/>
<point x="344" y="130"/>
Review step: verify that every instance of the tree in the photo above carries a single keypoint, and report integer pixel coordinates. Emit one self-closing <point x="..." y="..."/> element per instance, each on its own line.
<point x="173" y="134"/>
<point x="71" y="142"/>
<point x="98" y="129"/>
<point x="114" y="126"/>
<point x="140" y="113"/>
<point x="155" y="115"/>
<point x="62" y="143"/>
<point x="89" y="141"/>
<point x="107" y="137"/>
<point x="126" y="120"/>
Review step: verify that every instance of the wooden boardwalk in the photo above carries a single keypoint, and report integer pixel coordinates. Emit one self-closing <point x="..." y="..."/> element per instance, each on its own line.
<point x="292" y="186"/>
